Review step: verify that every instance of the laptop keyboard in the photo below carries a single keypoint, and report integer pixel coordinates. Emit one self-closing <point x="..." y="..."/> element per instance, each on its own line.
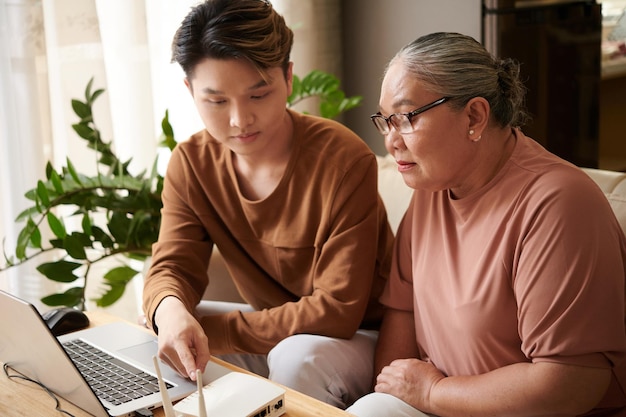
<point x="111" y="379"/>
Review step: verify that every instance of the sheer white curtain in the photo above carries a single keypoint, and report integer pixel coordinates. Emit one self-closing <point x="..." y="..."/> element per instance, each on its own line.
<point x="25" y="136"/>
<point x="50" y="49"/>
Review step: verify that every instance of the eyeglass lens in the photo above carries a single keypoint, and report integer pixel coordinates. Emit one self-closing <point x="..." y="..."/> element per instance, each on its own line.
<point x="402" y="122"/>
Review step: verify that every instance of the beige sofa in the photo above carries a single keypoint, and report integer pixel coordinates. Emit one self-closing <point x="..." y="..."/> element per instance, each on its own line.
<point x="396" y="195"/>
<point x="614" y="186"/>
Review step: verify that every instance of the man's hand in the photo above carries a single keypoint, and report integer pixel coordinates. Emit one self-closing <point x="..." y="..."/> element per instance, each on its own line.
<point x="183" y="345"/>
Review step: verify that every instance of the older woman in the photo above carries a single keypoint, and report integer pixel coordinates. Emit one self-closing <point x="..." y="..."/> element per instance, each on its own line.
<point x="506" y="296"/>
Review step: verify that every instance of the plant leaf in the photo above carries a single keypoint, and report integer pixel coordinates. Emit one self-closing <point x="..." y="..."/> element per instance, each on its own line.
<point x="71" y="298"/>
<point x="74" y="244"/>
<point x="95" y="95"/>
<point x="56" y="225"/>
<point x="83" y="130"/>
<point x="119" y="225"/>
<point x="59" y="271"/>
<point x="120" y="274"/>
<point x="35" y="237"/>
<point x="88" y="89"/>
<point x="72" y="171"/>
<point x="49" y="170"/>
<point x="86" y="224"/>
<point x="81" y="109"/>
<point x="42" y="193"/>
<point x="168" y="133"/>
<point x="55" y="179"/>
<point x="24" y="238"/>
<point x="113" y="294"/>
<point x="104" y="239"/>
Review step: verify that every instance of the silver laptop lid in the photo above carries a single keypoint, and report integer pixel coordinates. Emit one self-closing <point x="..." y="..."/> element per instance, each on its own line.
<point x="28" y="346"/>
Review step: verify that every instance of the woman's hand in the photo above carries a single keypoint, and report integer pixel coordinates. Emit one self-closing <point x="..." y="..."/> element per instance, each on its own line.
<point x="520" y="389"/>
<point x="411" y="380"/>
<point x="183" y="345"/>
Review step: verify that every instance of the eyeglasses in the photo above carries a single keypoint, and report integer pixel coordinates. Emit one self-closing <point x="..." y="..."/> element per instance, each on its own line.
<point x="402" y="121"/>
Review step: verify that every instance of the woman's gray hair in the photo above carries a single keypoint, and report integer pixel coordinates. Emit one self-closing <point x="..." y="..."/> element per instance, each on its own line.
<point x="459" y="67"/>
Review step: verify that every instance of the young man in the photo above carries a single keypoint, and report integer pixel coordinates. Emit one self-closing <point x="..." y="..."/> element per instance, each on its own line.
<point x="290" y="200"/>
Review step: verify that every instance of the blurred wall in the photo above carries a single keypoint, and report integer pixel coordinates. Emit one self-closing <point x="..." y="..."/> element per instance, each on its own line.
<point x="316" y="25"/>
<point x="373" y="31"/>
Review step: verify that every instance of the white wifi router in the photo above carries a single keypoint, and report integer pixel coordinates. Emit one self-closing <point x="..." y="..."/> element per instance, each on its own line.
<point x="233" y="395"/>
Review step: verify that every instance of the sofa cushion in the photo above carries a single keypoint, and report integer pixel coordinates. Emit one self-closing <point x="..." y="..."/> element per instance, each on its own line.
<point x="618" y="203"/>
<point x="613" y="184"/>
<point x="608" y="181"/>
<point x="392" y="189"/>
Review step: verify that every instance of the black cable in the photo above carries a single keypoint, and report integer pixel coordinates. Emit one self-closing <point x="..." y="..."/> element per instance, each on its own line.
<point x="42" y="386"/>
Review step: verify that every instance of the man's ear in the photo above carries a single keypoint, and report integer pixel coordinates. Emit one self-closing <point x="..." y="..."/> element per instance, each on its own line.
<point x="478" y="111"/>
<point x="289" y="79"/>
<point x="188" y="85"/>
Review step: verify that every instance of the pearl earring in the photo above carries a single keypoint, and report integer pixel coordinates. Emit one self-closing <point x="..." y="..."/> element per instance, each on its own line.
<point x="471" y="132"/>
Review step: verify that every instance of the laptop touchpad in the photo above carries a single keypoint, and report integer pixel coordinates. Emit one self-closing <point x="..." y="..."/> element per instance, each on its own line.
<point x="141" y="353"/>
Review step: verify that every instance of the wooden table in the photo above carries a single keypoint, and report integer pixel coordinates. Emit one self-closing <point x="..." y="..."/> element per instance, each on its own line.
<point x="20" y="398"/>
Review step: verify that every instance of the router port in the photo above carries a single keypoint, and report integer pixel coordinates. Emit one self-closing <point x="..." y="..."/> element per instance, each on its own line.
<point x="263" y="412"/>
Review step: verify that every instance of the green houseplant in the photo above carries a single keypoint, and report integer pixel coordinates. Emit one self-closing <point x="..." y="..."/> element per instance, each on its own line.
<point x="118" y="212"/>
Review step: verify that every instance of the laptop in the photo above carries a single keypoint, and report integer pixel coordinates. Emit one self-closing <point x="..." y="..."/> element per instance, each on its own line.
<point x="28" y="346"/>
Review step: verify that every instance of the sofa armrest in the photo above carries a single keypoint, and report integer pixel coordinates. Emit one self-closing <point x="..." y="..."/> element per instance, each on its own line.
<point x="396" y="195"/>
<point x="613" y="184"/>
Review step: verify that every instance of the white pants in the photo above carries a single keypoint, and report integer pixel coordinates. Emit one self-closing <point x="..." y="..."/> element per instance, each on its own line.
<point x="335" y="371"/>
<point x="378" y="404"/>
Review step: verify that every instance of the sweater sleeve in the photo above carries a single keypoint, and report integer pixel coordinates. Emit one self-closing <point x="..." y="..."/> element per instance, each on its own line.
<point x="180" y="257"/>
<point x="569" y="275"/>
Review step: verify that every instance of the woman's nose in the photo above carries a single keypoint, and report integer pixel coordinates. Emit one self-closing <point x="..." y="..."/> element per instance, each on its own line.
<point x="394" y="140"/>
